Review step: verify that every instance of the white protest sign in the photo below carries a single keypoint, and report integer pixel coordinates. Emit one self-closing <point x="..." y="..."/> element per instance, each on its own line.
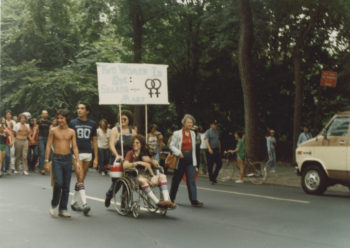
<point x="135" y="84"/>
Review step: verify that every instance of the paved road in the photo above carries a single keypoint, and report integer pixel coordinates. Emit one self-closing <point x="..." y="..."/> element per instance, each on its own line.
<point x="234" y="216"/>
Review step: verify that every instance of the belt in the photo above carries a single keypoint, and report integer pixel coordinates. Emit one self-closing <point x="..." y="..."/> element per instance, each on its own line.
<point x="61" y="156"/>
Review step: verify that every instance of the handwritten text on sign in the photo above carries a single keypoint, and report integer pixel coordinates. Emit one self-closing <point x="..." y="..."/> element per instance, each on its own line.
<point x="136" y="84"/>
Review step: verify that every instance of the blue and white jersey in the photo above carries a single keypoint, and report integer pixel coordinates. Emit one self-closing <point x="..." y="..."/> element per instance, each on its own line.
<point x="84" y="131"/>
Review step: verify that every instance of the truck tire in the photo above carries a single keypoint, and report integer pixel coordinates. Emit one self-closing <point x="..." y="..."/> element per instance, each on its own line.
<point x="314" y="180"/>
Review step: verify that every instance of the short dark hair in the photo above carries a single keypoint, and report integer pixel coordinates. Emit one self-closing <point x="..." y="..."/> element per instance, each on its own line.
<point x="64" y="113"/>
<point x="128" y="114"/>
<point x="103" y="120"/>
<point x="87" y="106"/>
<point x="239" y="133"/>
<point x="8" y="111"/>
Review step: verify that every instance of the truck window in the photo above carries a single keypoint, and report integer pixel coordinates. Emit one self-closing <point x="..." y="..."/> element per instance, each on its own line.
<point x="339" y="127"/>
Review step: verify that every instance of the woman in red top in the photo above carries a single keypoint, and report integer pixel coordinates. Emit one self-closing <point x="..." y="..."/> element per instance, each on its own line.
<point x="183" y="145"/>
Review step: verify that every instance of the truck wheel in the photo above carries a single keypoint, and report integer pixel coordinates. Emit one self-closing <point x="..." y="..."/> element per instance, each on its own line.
<point x="314" y="180"/>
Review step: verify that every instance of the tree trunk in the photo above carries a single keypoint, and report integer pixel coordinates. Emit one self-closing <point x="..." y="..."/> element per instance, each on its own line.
<point x="298" y="98"/>
<point x="137" y="24"/>
<point x="246" y="72"/>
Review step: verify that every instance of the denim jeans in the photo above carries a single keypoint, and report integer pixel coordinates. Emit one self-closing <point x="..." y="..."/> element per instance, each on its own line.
<point x="185" y="165"/>
<point x="211" y="159"/>
<point x="103" y="159"/>
<point x="62" y="172"/>
<point x="6" y="162"/>
<point x="42" y="147"/>
<point x="32" y="156"/>
<point x="271" y="163"/>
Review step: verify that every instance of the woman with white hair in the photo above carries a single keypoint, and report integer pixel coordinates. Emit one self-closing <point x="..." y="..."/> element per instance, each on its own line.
<point x="183" y="146"/>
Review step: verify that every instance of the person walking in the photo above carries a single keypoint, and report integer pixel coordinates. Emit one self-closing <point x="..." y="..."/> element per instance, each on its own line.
<point x="183" y="146"/>
<point x="212" y="140"/>
<point x="12" y="157"/>
<point x="61" y="138"/>
<point x="32" y="144"/>
<point x="304" y="136"/>
<point x="103" y="133"/>
<point x="115" y="145"/>
<point x="21" y="144"/>
<point x="43" y="128"/>
<point x="271" y="151"/>
<point x="86" y="135"/>
<point x="5" y="138"/>
<point x="203" y="167"/>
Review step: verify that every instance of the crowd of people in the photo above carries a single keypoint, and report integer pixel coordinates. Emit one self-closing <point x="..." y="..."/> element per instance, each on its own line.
<point x="61" y="145"/>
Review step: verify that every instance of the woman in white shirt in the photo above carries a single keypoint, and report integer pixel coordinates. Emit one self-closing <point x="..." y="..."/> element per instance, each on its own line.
<point x="103" y="134"/>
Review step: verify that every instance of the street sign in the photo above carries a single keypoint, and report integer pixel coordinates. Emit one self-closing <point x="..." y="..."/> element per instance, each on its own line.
<point x="134" y="84"/>
<point x="329" y="78"/>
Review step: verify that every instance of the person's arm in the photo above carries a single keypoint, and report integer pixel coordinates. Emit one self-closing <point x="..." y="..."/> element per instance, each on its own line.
<point x="112" y="140"/>
<point x="160" y="141"/>
<point x="299" y="139"/>
<point x="206" y="139"/>
<point x="95" y="147"/>
<point x="268" y="142"/>
<point x="173" y="147"/>
<point x="76" y="151"/>
<point x="48" y="149"/>
<point x="150" y="160"/>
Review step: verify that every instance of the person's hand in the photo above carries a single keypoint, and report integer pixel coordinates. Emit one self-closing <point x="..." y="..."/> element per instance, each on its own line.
<point x="181" y="155"/>
<point x="118" y="158"/>
<point x="47" y="166"/>
<point x="211" y="151"/>
<point x="95" y="163"/>
<point x="78" y="166"/>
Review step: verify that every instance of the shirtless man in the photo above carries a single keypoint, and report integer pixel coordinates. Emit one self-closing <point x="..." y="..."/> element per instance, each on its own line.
<point x="61" y="137"/>
<point x="21" y="130"/>
<point x="86" y="133"/>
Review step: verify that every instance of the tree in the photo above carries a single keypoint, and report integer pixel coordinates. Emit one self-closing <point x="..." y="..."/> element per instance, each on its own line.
<point x="247" y="81"/>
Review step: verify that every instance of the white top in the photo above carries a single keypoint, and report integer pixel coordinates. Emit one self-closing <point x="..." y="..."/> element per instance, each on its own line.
<point x="103" y="138"/>
<point x="18" y="125"/>
<point x="11" y="121"/>
<point x="203" y="144"/>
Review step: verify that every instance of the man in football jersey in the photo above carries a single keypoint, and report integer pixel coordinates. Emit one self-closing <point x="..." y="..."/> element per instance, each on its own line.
<point x="86" y="134"/>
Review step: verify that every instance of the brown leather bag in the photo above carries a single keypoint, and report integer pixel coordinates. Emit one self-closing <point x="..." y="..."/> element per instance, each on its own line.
<point x="171" y="161"/>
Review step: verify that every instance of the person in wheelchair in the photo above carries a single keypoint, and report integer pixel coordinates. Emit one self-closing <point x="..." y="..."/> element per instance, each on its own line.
<point x="138" y="158"/>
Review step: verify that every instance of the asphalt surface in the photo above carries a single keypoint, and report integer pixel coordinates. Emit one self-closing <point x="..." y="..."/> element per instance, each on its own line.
<point x="234" y="215"/>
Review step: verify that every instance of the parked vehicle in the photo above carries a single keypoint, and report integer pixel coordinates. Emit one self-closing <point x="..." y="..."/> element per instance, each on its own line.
<point x="325" y="160"/>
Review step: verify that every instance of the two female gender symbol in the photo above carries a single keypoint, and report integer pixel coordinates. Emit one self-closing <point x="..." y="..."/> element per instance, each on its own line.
<point x="153" y="84"/>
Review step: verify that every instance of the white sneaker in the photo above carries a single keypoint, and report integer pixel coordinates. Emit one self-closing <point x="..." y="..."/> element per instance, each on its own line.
<point x="239" y="181"/>
<point x="52" y="211"/>
<point x="64" y="213"/>
<point x="103" y="173"/>
<point x="251" y="174"/>
<point x="25" y="173"/>
<point x="15" y="172"/>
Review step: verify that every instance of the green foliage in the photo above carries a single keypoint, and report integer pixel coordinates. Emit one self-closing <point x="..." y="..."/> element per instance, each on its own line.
<point x="49" y="51"/>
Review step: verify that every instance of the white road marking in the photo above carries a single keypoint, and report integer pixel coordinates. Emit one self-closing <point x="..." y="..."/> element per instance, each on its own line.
<point x="254" y="195"/>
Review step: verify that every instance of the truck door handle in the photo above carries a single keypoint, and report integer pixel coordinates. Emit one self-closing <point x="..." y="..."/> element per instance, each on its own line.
<point x="342" y="142"/>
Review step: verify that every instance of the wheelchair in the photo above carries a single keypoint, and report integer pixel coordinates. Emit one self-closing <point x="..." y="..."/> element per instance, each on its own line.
<point x="128" y="197"/>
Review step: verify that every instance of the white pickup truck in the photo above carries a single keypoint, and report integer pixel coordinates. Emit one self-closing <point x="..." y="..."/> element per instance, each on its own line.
<point x="325" y="160"/>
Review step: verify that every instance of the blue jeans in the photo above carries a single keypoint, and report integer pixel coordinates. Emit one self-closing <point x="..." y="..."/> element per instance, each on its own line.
<point x="42" y="147"/>
<point x="214" y="158"/>
<point x="6" y="162"/>
<point x="103" y="159"/>
<point x="62" y="172"/>
<point x="271" y="163"/>
<point x="185" y="165"/>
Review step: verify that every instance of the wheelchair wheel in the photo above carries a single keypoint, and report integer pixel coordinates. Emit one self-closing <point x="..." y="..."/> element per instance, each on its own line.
<point x="135" y="209"/>
<point x="122" y="196"/>
<point x="260" y="173"/>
